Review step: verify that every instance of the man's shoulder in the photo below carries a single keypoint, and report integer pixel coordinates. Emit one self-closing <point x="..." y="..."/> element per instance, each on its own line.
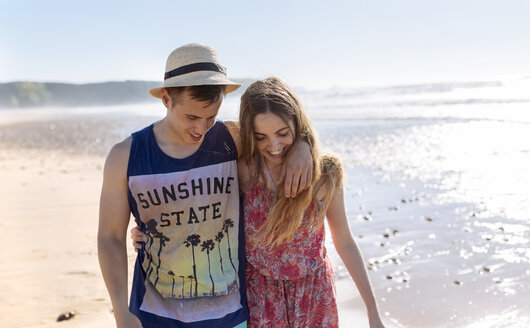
<point x="119" y="153"/>
<point x="122" y="146"/>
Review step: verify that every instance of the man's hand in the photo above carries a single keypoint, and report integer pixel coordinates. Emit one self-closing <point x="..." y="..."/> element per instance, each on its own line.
<point x="125" y="319"/>
<point x="297" y="169"/>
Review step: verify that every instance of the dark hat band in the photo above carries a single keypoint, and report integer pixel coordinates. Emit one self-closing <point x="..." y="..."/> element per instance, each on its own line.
<point x="205" y="66"/>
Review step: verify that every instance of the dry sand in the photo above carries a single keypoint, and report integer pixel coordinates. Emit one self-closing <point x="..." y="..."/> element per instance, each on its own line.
<point x="51" y="172"/>
<point x="49" y="217"/>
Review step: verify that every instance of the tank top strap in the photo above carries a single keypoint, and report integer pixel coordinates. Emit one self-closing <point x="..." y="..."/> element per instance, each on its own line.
<point x="270" y="176"/>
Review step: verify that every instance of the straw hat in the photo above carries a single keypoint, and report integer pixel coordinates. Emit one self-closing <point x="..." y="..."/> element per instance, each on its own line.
<point x="194" y="64"/>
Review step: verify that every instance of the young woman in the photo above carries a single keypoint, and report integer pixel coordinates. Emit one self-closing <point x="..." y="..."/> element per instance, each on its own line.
<point x="289" y="277"/>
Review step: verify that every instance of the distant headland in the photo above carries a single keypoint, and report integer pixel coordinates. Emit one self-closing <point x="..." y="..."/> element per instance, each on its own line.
<point x="40" y="94"/>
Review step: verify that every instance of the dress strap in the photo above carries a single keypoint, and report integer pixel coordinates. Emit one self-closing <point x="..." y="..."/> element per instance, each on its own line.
<point x="270" y="175"/>
<point x="319" y="206"/>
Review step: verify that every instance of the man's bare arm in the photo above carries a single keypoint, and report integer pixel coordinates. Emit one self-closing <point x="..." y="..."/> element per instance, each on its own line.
<point x="114" y="216"/>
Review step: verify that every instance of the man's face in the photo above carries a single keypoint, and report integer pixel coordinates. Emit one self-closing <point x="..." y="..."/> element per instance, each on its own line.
<point x="191" y="119"/>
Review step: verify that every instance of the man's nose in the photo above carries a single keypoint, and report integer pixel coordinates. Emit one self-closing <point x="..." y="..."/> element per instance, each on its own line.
<point x="202" y="126"/>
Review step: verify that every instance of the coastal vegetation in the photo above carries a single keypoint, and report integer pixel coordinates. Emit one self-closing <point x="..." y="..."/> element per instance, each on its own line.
<point x="40" y="94"/>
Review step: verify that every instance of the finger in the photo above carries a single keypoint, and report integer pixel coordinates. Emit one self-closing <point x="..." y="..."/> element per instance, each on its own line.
<point x="310" y="174"/>
<point x="288" y="182"/>
<point x="137" y="234"/>
<point x="138" y="245"/>
<point x="138" y="238"/>
<point x="309" y="178"/>
<point x="295" y="184"/>
<point x="303" y="183"/>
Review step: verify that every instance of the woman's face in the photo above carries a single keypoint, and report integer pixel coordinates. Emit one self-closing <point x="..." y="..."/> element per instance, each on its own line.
<point x="273" y="137"/>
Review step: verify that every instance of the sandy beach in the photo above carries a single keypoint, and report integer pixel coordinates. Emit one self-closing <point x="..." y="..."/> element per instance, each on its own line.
<point x="51" y="170"/>
<point x="49" y="216"/>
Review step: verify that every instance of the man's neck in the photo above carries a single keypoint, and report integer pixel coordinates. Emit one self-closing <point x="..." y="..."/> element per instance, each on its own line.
<point x="171" y="143"/>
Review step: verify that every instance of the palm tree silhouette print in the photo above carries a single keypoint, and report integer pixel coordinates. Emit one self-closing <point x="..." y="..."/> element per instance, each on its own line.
<point x="209" y="245"/>
<point x="172" y="274"/>
<point x="150" y="230"/>
<point x="191" y="278"/>
<point x="227" y="224"/>
<point x="193" y="240"/>
<point x="183" y="277"/>
<point x="218" y="239"/>
<point x="162" y="238"/>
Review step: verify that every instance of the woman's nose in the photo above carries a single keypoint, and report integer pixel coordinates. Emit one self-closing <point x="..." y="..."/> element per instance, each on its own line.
<point x="275" y="144"/>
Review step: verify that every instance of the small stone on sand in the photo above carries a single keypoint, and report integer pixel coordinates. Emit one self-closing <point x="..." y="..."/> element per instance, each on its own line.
<point x="66" y="316"/>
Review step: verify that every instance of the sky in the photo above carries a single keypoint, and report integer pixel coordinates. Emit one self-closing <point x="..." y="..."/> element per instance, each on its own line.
<point x="312" y="44"/>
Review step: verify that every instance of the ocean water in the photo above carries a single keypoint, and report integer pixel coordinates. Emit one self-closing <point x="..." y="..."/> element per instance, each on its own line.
<point x="437" y="190"/>
<point x="437" y="196"/>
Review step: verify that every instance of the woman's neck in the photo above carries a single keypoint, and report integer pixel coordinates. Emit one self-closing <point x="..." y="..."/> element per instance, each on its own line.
<point x="274" y="170"/>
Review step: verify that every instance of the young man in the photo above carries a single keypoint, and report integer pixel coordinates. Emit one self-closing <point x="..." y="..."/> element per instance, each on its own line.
<point x="178" y="177"/>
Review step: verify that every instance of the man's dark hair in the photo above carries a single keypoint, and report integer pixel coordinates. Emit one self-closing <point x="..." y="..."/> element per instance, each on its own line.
<point x="204" y="93"/>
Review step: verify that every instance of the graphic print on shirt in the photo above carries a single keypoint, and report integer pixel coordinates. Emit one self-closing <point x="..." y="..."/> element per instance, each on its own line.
<point x="192" y="220"/>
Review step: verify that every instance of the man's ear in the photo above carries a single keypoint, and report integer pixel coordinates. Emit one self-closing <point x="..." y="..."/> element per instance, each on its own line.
<point x="166" y="99"/>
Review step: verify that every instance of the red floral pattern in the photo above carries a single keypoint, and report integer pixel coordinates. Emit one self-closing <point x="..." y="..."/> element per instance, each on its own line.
<point x="291" y="285"/>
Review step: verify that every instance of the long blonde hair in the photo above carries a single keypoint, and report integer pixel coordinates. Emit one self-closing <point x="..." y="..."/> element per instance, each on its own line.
<point x="286" y="214"/>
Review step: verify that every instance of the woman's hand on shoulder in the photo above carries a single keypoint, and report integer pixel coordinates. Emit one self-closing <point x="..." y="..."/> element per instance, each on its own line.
<point x="234" y="129"/>
<point x="138" y="238"/>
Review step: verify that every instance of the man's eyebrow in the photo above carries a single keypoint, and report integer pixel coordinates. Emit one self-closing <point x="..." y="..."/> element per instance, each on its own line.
<point x="195" y="116"/>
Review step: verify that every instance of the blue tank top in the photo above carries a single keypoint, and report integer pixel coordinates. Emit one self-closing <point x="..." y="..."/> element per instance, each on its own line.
<point x="191" y="270"/>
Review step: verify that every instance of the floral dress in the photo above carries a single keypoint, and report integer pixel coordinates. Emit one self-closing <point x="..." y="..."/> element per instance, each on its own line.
<point x="291" y="285"/>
